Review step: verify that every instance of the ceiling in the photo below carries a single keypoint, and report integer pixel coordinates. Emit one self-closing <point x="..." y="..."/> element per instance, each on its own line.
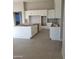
<point x="30" y="0"/>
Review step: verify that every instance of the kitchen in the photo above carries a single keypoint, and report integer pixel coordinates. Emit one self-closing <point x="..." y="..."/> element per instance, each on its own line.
<point x="37" y="29"/>
<point x="41" y="14"/>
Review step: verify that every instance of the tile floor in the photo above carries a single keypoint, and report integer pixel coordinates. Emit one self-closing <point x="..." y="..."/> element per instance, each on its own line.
<point x="39" y="47"/>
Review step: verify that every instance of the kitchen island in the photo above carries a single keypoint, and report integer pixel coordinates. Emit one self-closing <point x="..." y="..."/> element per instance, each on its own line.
<point x="23" y="31"/>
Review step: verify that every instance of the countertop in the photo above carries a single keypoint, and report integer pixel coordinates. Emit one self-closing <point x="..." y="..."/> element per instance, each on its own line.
<point x="27" y="24"/>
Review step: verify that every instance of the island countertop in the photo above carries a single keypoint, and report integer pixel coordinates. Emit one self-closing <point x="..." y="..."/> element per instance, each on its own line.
<point x="27" y="24"/>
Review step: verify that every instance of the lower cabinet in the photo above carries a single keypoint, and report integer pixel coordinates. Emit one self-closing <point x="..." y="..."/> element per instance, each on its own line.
<point x="55" y="33"/>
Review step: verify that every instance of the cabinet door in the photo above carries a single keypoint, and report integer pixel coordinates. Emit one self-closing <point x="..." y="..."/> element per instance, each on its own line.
<point x="51" y="13"/>
<point x="58" y="8"/>
<point x="55" y="33"/>
<point x="37" y="12"/>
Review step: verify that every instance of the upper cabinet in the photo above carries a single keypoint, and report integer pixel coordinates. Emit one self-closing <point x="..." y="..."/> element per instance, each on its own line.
<point x="51" y="13"/>
<point x="58" y="4"/>
<point x="35" y="12"/>
<point x="48" y="13"/>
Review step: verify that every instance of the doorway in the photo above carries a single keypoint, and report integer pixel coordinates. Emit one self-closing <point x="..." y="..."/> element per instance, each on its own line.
<point x="17" y="18"/>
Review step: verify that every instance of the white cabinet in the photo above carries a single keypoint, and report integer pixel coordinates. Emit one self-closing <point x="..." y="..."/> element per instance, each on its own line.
<point x="22" y="32"/>
<point x="25" y="32"/>
<point x="48" y="13"/>
<point x="51" y="13"/>
<point x="55" y="33"/>
<point x="35" y="12"/>
<point x="58" y="4"/>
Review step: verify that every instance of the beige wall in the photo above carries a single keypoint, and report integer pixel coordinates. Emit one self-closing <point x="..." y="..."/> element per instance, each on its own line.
<point x="39" y="5"/>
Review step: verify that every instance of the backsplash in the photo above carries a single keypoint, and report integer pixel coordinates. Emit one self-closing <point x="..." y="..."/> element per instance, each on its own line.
<point x="54" y="21"/>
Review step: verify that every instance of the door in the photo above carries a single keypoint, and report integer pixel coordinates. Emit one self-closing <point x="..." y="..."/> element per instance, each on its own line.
<point x="17" y="18"/>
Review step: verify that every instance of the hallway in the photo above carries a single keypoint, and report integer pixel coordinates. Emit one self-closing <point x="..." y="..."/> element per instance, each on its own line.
<point x="39" y="47"/>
